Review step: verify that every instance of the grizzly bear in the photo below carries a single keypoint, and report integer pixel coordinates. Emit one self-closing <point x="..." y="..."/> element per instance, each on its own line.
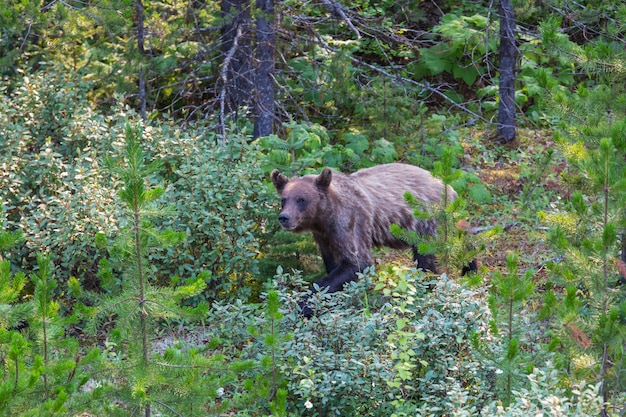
<point x="350" y="214"/>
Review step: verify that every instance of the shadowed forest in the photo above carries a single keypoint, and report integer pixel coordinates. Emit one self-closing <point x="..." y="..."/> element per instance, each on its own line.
<point x="143" y="270"/>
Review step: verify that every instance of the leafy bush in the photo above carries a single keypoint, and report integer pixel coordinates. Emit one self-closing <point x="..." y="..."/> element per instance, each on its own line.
<point x="376" y="355"/>
<point x="51" y="186"/>
<point x="467" y="39"/>
<point x="55" y="191"/>
<point x="308" y="147"/>
<point x="545" y="396"/>
<point x="221" y="204"/>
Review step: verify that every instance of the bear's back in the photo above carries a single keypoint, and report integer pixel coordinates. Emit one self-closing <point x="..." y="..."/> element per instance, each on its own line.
<point x="391" y="181"/>
<point x="385" y="186"/>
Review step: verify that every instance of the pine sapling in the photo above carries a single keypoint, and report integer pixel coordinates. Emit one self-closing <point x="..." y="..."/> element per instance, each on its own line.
<point x="137" y="305"/>
<point x="508" y="296"/>
<point x="593" y="311"/>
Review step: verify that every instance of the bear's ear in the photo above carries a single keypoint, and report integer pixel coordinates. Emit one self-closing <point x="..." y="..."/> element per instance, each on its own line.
<point x="279" y="180"/>
<point x="323" y="180"/>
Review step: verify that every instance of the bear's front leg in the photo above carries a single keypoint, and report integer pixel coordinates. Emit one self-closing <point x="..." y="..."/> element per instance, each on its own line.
<point x="334" y="281"/>
<point x="426" y="262"/>
<point x="342" y="273"/>
<point x="329" y="260"/>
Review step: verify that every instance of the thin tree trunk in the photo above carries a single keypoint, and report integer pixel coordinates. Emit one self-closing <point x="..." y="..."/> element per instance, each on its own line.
<point x="508" y="57"/>
<point x="142" y="51"/>
<point x="264" y="75"/>
<point x="225" y="82"/>
<point x="142" y="93"/>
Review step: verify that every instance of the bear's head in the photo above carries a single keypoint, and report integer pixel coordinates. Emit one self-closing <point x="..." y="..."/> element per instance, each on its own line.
<point x="303" y="199"/>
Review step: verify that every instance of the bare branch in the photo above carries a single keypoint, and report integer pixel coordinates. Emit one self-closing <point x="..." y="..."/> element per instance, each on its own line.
<point x="337" y="8"/>
<point x="48" y="6"/>
<point x="224" y="78"/>
<point x="26" y="37"/>
<point x="423" y="86"/>
<point x="397" y="78"/>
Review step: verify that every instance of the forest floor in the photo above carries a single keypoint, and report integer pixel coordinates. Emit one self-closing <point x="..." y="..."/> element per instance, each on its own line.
<point x="525" y="180"/>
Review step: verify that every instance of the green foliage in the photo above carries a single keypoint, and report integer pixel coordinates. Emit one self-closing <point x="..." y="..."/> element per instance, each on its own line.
<point x="138" y="304"/>
<point x="590" y="314"/>
<point x="378" y="353"/>
<point x="589" y="231"/>
<point x="55" y="190"/>
<point x="269" y="383"/>
<point x="593" y="67"/>
<point x="532" y="193"/>
<point x="222" y="205"/>
<point x="12" y="312"/>
<point x="9" y="239"/>
<point x="464" y="40"/>
<point x="308" y="147"/>
<point x="50" y="182"/>
<point x="14" y="18"/>
<point x="98" y="41"/>
<point x="405" y="350"/>
<point x="545" y="395"/>
<point x="337" y="363"/>
<point x="303" y="148"/>
<point x="378" y="76"/>
<point x="45" y="370"/>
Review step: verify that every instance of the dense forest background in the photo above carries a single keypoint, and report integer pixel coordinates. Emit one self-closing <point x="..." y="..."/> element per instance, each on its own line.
<point x="142" y="271"/>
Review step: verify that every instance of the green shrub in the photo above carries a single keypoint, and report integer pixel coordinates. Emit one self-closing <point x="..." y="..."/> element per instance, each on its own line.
<point x="51" y="186"/>
<point x="53" y="189"/>
<point x="463" y="38"/>
<point x="545" y="396"/>
<point x="384" y="353"/>
<point x="405" y="350"/>
<point x="221" y="204"/>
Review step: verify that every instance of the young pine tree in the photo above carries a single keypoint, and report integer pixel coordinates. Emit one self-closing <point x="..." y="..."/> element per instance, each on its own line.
<point x="592" y="316"/>
<point x="147" y="380"/>
<point x="44" y="369"/>
<point x="509" y="294"/>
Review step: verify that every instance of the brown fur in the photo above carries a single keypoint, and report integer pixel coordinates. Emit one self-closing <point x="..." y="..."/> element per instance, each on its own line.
<point x="350" y="214"/>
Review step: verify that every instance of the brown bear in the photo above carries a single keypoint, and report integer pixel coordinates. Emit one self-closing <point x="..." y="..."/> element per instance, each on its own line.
<point x="350" y="214"/>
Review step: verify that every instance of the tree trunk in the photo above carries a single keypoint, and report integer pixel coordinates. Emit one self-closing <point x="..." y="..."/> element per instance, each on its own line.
<point x="508" y="55"/>
<point x="264" y="76"/>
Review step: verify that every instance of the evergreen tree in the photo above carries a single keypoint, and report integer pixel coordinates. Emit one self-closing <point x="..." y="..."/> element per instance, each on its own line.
<point x="591" y="234"/>
<point x="138" y="306"/>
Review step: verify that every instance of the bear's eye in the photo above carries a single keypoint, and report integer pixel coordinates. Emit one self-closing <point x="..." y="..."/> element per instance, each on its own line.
<point x="300" y="200"/>
<point x="282" y="202"/>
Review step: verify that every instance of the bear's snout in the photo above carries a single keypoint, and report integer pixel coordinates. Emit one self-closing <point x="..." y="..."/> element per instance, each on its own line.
<point x="284" y="219"/>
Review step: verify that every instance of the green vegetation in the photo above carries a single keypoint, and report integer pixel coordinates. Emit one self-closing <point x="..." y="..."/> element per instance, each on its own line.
<point x="143" y="272"/>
